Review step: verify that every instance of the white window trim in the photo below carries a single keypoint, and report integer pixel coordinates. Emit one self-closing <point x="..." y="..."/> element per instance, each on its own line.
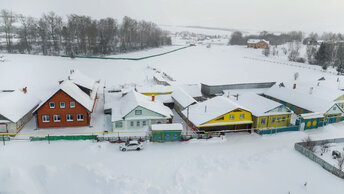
<point x="71" y="105"/>
<point x="44" y="120"/>
<point x="77" y="117"/>
<point x="51" y="106"/>
<point x="68" y="119"/>
<point x="5" y="128"/>
<point x="56" y="121"/>
<point x="64" y="106"/>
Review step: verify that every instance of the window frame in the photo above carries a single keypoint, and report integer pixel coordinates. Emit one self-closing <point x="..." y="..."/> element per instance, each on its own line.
<point x="118" y="124"/>
<point x="52" y="103"/>
<point x="5" y="125"/>
<point x="70" y="104"/>
<point x="231" y="117"/>
<point x="242" y="116"/>
<point x="69" y="119"/>
<point x="64" y="105"/>
<point x="78" y="119"/>
<point x="46" y="120"/>
<point x="138" y="112"/>
<point x="56" y="121"/>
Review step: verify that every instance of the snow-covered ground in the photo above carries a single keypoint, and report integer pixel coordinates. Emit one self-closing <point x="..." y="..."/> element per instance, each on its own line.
<point x="239" y="163"/>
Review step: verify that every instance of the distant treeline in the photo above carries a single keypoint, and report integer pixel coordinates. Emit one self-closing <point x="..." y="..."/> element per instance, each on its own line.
<point x="237" y="37"/>
<point x="76" y="35"/>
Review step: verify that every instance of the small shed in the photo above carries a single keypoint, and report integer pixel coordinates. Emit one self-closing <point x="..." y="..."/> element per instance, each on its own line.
<point x="166" y="132"/>
<point x="311" y="120"/>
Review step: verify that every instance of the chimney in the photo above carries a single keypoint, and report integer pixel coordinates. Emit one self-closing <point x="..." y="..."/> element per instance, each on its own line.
<point x="60" y="82"/>
<point x="237" y="97"/>
<point x="294" y="87"/>
<point x="205" y="108"/>
<point x="25" y="90"/>
<point x="311" y="90"/>
<point x="153" y="98"/>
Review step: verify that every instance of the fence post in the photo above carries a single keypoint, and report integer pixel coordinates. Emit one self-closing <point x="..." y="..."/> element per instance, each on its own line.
<point x="3" y="139"/>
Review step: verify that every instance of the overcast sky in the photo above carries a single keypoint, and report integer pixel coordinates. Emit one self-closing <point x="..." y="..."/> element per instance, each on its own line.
<point x="273" y="15"/>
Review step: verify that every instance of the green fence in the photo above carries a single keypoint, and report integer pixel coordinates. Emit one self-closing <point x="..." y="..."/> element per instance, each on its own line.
<point x="277" y="130"/>
<point x="330" y="168"/>
<point x="127" y="58"/>
<point x="70" y="137"/>
<point x="4" y="138"/>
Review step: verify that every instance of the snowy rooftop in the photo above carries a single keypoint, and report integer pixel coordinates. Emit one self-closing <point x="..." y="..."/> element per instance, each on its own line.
<point x="82" y="80"/>
<point x="183" y="98"/>
<point x="306" y="101"/>
<point x="16" y="104"/>
<point x="167" y="127"/>
<point x="75" y="92"/>
<point x="193" y="90"/>
<point x="257" y="104"/>
<point x="154" y="89"/>
<point x="205" y="111"/>
<point x="255" y="41"/>
<point x="134" y="99"/>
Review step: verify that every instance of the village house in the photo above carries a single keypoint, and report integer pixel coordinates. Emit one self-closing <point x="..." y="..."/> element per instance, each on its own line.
<point x="266" y="113"/>
<point x="302" y="103"/>
<point x="182" y="99"/>
<point x="218" y="114"/>
<point x="137" y="111"/>
<point x="258" y="43"/>
<point x="70" y="105"/>
<point x="16" y="110"/>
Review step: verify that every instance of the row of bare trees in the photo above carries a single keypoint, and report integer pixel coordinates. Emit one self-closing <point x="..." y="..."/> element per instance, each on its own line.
<point x="76" y="35"/>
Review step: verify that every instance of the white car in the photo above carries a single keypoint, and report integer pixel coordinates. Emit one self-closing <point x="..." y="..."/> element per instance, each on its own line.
<point x="131" y="145"/>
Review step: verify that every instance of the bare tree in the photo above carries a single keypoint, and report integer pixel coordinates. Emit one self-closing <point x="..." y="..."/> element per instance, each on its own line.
<point x="8" y="19"/>
<point x="341" y="161"/>
<point x="309" y="144"/>
<point x="294" y="48"/>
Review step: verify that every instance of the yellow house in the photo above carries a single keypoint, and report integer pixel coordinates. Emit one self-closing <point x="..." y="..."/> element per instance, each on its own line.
<point x="218" y="114"/>
<point x="266" y="113"/>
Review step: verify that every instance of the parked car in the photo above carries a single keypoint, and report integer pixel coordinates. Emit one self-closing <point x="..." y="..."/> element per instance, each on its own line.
<point x="131" y="145"/>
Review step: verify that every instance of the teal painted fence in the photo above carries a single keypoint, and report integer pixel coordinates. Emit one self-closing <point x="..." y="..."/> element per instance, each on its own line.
<point x="127" y="58"/>
<point x="71" y="137"/>
<point x="4" y="138"/>
<point x="278" y="130"/>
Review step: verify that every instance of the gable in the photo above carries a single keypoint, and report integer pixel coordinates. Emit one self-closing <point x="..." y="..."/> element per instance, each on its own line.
<point x="226" y="117"/>
<point x="145" y="113"/>
<point x="280" y="109"/>
<point x="59" y="96"/>
<point x="335" y="109"/>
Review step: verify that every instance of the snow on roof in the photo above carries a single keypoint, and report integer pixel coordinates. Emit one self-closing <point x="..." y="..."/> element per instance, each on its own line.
<point x="167" y="127"/>
<point x="205" y="111"/>
<point x="320" y="91"/>
<point x="134" y="99"/>
<point x="305" y="101"/>
<point x="183" y="98"/>
<point x="255" y="41"/>
<point x="193" y="90"/>
<point x="257" y="104"/>
<point x="15" y="105"/>
<point x="82" y="80"/>
<point x="75" y="92"/>
<point x="154" y="89"/>
<point x="312" y="115"/>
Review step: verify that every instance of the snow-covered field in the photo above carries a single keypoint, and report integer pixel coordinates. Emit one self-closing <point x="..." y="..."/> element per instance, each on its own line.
<point x="240" y="163"/>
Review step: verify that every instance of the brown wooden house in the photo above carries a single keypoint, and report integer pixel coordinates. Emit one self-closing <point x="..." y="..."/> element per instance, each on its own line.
<point x="257" y="43"/>
<point x="70" y="105"/>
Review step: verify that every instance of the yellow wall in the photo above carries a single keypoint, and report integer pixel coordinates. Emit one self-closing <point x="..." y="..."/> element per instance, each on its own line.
<point x="236" y="113"/>
<point x="270" y="124"/>
<point x="339" y="98"/>
<point x="156" y="93"/>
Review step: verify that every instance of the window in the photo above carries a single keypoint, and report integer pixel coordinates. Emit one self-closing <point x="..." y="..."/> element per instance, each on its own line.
<point x="334" y="108"/>
<point x="138" y="112"/>
<point x="118" y="124"/>
<point x="273" y="120"/>
<point x="263" y="121"/>
<point x="137" y="123"/>
<point x="283" y="119"/>
<point x="3" y="128"/>
<point x="220" y="119"/>
<point x="57" y="118"/>
<point x="45" y="118"/>
<point x="69" y="117"/>
<point x="242" y="116"/>
<point x="72" y="104"/>
<point x="159" y="122"/>
<point x="279" y="109"/>
<point x="79" y="117"/>
<point x="144" y="123"/>
<point x="131" y="123"/>
<point x="231" y="117"/>
<point x="51" y="104"/>
<point x="62" y="104"/>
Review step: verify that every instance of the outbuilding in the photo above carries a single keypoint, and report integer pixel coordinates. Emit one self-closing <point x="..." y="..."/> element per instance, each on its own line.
<point x="166" y="132"/>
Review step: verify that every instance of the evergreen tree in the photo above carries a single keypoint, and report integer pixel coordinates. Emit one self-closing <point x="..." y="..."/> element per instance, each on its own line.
<point x="323" y="56"/>
<point x="340" y="58"/>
